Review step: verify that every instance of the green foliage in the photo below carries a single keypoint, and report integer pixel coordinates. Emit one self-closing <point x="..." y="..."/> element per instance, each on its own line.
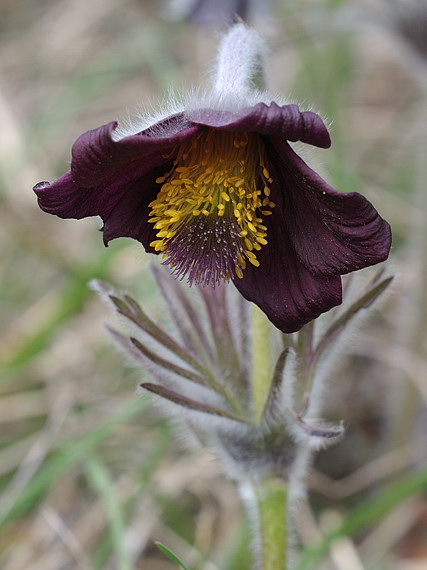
<point x="367" y="514"/>
<point x="171" y="555"/>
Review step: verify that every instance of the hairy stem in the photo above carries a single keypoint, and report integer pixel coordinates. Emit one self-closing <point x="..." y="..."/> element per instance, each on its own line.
<point x="261" y="361"/>
<point x="305" y="370"/>
<point x="240" y="65"/>
<point x="270" y="497"/>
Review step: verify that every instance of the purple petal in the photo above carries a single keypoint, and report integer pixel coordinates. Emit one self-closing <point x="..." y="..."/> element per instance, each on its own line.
<point x="285" y="121"/>
<point x="282" y="287"/>
<point x="97" y="157"/>
<point x="115" y="179"/>
<point x="331" y="232"/>
<point x="129" y="217"/>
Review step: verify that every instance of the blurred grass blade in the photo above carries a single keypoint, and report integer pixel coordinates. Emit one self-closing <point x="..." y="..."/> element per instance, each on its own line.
<point x="142" y="479"/>
<point x="101" y="481"/>
<point x="66" y="457"/>
<point x="366" y="514"/>
<point x="70" y="302"/>
<point x="171" y="555"/>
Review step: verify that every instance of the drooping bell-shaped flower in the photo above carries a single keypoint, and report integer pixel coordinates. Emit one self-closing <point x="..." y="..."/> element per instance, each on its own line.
<point x="218" y="191"/>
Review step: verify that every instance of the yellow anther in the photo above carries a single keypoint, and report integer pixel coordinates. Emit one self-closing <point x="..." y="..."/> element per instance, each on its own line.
<point x="241" y="261"/>
<point x="254" y="262"/>
<point x="225" y="196"/>
<point x="157" y="244"/>
<point x="248" y="244"/>
<point x="238" y="271"/>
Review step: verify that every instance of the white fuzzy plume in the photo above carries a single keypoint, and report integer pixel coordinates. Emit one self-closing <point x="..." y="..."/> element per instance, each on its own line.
<point x="240" y="64"/>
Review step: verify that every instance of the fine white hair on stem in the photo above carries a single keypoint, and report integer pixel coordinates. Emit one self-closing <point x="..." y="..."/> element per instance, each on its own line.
<point x="240" y="64"/>
<point x="238" y="82"/>
<point x="247" y="495"/>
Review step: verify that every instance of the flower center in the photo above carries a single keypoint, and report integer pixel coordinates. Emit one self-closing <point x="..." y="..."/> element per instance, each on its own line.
<point x="208" y="210"/>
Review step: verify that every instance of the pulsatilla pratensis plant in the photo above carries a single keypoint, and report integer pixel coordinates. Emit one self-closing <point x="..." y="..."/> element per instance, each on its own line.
<point x="216" y="189"/>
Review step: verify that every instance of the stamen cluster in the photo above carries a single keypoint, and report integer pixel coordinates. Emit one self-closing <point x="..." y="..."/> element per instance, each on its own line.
<point x="208" y="210"/>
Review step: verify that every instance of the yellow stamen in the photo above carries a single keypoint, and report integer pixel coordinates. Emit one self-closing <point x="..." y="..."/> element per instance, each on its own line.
<point x="218" y="174"/>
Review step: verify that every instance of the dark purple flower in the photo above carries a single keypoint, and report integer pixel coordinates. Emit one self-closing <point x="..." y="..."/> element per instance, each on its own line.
<point x="218" y="191"/>
<point x="223" y="195"/>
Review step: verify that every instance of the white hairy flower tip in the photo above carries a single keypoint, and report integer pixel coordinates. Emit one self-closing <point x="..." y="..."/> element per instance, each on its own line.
<point x="240" y="63"/>
<point x="237" y="82"/>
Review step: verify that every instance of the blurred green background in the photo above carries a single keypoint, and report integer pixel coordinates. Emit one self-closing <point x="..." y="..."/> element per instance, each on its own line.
<point x="91" y="476"/>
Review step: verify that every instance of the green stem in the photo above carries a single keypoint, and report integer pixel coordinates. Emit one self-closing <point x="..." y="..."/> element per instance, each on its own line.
<point x="261" y="361"/>
<point x="305" y="369"/>
<point x="271" y="500"/>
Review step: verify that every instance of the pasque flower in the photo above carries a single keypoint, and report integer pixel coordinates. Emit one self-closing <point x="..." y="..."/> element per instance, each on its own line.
<point x="213" y="13"/>
<point x="216" y="188"/>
